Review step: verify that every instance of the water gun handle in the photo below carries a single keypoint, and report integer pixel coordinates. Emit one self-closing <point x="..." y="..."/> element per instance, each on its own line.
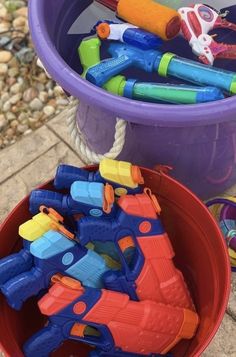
<point x="23" y="286"/>
<point x="14" y="265"/>
<point x="107" y="69"/>
<point x="89" y="53"/>
<point x="44" y="342"/>
<point x="67" y="174"/>
<point x="172" y="94"/>
<point x="197" y="73"/>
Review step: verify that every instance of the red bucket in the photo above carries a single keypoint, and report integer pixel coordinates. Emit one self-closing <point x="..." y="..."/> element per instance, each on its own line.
<point x="201" y="255"/>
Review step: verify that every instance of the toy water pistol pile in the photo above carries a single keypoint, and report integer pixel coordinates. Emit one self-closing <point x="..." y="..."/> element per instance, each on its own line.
<point x="96" y="255"/>
<point x="224" y="210"/>
<point x="137" y="44"/>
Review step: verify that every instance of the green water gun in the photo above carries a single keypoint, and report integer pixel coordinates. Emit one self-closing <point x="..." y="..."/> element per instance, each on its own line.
<point x="89" y="53"/>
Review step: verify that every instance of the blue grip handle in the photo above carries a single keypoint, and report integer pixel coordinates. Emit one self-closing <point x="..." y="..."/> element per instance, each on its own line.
<point x="49" y="199"/>
<point x="23" y="286"/>
<point x="142" y="39"/>
<point x="198" y="73"/>
<point x="14" y="265"/>
<point x="67" y="174"/>
<point x="107" y="69"/>
<point x="44" y="342"/>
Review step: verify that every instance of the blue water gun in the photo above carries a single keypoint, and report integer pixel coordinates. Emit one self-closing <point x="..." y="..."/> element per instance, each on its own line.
<point x="127" y="33"/>
<point x="49" y="248"/>
<point x="148" y="271"/>
<point x="87" y="198"/>
<point x="122" y="176"/>
<point x="167" y="64"/>
<point x="109" y="321"/>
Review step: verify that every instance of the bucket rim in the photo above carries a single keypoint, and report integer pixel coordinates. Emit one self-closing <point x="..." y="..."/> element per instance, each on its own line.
<point x="131" y="110"/>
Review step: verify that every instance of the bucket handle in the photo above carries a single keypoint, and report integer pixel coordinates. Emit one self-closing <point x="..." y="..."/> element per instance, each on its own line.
<point x="87" y="155"/>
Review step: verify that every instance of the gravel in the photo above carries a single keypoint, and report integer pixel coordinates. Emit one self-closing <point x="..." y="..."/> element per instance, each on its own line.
<point x="28" y="98"/>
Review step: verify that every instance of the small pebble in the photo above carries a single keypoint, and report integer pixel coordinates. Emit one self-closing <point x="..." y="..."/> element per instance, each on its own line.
<point x="27" y="132"/>
<point x="49" y="110"/>
<point x="4" y="26"/>
<point x="6" y="106"/>
<point x="5" y="97"/>
<point x="22" y="128"/>
<point x="40" y="87"/>
<point x="58" y="91"/>
<point x="13" y="72"/>
<point x="33" y="123"/>
<point x="3" y="124"/>
<point x="22" y="116"/>
<point x="22" y="11"/>
<point x="50" y="93"/>
<point x="19" y="22"/>
<point x="38" y="115"/>
<point x="62" y="101"/>
<point x="36" y="104"/>
<point x="5" y="56"/>
<point x="43" y="96"/>
<point x="16" y="98"/>
<point x="16" y="88"/>
<point x="49" y="84"/>
<point x="10" y="133"/>
<point x="3" y="11"/>
<point x="14" y="124"/>
<point x="10" y="116"/>
<point x="10" y="81"/>
<point x="13" y="63"/>
<point x="29" y="94"/>
<point x="3" y="68"/>
<point x="25" y="55"/>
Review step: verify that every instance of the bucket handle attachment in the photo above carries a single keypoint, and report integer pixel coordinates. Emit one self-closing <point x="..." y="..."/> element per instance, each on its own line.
<point x="87" y="155"/>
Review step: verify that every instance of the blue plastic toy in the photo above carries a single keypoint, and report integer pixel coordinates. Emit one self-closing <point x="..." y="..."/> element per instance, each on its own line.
<point x="144" y="249"/>
<point x="109" y="321"/>
<point x="123" y="176"/>
<point x="45" y="253"/>
<point x="127" y="33"/>
<point x="87" y="198"/>
<point x="168" y="64"/>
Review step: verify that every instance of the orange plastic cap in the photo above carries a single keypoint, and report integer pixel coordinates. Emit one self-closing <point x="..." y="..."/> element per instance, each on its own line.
<point x="137" y="175"/>
<point x="155" y="203"/>
<point x="125" y="243"/>
<point x="67" y="281"/>
<point x="103" y="31"/>
<point x="109" y="198"/>
<point x="78" y="330"/>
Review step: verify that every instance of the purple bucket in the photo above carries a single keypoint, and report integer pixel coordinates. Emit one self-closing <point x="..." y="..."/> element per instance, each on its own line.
<point x="198" y="141"/>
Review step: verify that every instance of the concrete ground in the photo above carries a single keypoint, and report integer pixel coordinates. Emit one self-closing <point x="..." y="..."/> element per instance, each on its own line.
<point x="33" y="160"/>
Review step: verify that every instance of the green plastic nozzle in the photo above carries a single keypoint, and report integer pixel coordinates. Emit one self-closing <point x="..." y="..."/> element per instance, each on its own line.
<point x="116" y="85"/>
<point x="89" y="53"/>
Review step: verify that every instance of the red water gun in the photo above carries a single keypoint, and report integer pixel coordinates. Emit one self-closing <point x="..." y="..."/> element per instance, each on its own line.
<point x="109" y="321"/>
<point x="197" y="21"/>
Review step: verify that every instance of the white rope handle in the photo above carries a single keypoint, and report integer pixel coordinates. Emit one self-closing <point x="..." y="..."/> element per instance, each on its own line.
<point x="88" y="155"/>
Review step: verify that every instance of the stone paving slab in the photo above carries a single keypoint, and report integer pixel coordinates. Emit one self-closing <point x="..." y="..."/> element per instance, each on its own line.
<point x="33" y="161"/>
<point x="39" y="171"/>
<point x="14" y="158"/>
